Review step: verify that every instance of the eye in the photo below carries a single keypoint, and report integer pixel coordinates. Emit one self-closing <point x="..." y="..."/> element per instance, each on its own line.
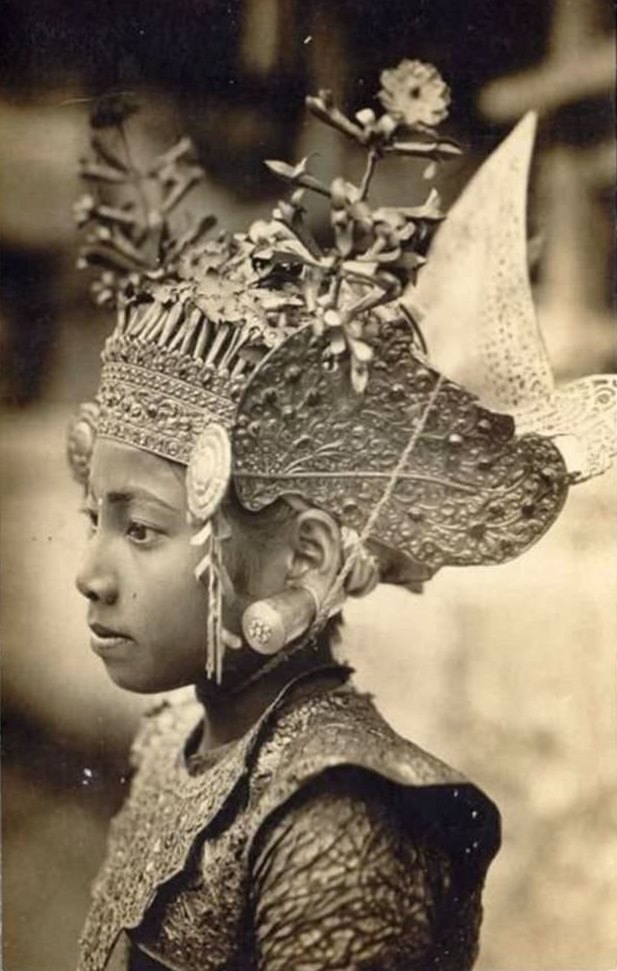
<point x="141" y="534"/>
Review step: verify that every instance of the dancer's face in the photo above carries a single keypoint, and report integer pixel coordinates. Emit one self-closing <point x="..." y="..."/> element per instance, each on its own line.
<point x="147" y="613"/>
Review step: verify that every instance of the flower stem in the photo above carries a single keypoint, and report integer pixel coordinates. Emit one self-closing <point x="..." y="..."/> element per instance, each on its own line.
<point x="415" y="326"/>
<point x="371" y="162"/>
<point x="135" y="177"/>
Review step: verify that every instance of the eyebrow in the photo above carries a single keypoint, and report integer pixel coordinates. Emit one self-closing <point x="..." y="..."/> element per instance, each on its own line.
<point x="130" y="495"/>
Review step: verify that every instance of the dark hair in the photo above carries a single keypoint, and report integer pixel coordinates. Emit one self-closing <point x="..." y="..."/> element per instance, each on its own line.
<point x="257" y="532"/>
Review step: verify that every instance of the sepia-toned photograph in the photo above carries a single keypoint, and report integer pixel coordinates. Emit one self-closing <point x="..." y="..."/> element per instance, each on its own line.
<point x="309" y="532"/>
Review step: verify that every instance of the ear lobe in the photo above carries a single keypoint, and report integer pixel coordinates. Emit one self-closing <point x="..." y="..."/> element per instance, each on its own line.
<point x="316" y="546"/>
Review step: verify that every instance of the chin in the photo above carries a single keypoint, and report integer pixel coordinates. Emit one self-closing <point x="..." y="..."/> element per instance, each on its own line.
<point x="144" y="682"/>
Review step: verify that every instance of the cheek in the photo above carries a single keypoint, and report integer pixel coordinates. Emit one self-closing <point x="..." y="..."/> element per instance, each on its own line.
<point x="178" y="600"/>
<point x="185" y="603"/>
<point x="177" y="632"/>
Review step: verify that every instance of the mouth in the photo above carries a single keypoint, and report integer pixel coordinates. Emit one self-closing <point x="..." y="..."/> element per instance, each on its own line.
<point x="104" y="640"/>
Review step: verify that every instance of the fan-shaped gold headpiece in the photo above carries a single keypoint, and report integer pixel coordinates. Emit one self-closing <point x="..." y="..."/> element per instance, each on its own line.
<point x="294" y="368"/>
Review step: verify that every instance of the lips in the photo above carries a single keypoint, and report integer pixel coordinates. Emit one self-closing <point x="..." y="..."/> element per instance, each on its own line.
<point x="105" y="640"/>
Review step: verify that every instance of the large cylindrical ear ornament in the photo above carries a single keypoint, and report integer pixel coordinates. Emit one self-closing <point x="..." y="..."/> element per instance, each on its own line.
<point x="268" y="625"/>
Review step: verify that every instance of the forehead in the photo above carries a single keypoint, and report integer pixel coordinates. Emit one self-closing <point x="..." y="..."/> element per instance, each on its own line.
<point x="119" y="468"/>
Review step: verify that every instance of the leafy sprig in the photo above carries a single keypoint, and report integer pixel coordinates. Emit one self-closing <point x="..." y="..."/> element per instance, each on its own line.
<point x="277" y="273"/>
<point x="373" y="252"/>
<point x="127" y="211"/>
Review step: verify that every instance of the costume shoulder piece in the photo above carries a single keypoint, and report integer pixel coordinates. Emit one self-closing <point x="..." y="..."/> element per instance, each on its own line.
<point x="152" y="836"/>
<point x="343" y="729"/>
<point x="305" y="734"/>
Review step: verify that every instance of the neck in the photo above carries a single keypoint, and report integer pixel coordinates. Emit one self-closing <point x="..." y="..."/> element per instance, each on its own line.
<point x="229" y="713"/>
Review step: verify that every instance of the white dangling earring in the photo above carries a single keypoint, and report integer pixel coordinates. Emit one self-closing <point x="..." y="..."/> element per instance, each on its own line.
<point x="215" y="647"/>
<point x="211" y="571"/>
<point x="207" y="479"/>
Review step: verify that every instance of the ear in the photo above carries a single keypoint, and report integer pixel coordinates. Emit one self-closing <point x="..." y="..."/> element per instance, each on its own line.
<point x="316" y="549"/>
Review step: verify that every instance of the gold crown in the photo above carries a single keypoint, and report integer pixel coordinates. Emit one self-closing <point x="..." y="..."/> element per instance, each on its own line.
<point x="296" y="367"/>
<point x="167" y="376"/>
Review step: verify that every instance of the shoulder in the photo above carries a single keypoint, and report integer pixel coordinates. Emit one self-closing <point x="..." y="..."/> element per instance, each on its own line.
<point x="315" y="740"/>
<point x="340" y="865"/>
<point x="344" y="824"/>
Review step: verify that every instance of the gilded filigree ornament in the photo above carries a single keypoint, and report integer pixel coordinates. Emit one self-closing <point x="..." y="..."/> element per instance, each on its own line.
<point x="472" y="492"/>
<point x="481" y="250"/>
<point x="81" y="436"/>
<point x="208" y="472"/>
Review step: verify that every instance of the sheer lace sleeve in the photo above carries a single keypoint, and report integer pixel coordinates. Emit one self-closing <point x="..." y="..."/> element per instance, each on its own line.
<point x="340" y="883"/>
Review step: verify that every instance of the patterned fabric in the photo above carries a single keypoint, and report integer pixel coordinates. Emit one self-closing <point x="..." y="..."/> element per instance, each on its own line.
<point x="340" y="883"/>
<point x="201" y="853"/>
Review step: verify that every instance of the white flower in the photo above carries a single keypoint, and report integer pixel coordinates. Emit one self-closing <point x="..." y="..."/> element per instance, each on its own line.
<point x="415" y="94"/>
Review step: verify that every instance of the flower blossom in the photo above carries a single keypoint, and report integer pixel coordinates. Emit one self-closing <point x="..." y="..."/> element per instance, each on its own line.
<point x="414" y="94"/>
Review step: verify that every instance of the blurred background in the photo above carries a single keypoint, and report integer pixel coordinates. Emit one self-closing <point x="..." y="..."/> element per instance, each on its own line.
<point x="507" y="673"/>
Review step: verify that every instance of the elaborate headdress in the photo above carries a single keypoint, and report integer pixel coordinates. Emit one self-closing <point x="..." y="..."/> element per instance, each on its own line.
<point x="284" y="367"/>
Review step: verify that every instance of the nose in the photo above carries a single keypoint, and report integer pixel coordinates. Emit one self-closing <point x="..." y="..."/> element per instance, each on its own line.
<point x="96" y="579"/>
